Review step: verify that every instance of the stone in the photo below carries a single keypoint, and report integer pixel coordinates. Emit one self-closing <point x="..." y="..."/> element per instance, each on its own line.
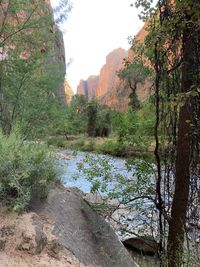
<point x="143" y="245"/>
<point x="108" y="88"/>
<point x="88" y="88"/>
<point x="54" y="248"/>
<point x="32" y="239"/>
<point x="68" y="92"/>
<point x="82" y="231"/>
<point x="64" y="231"/>
<point x="97" y="86"/>
<point x="108" y="78"/>
<point x="6" y="231"/>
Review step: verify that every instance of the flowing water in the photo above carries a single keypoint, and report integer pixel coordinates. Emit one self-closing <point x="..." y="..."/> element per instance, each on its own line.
<point x="72" y="177"/>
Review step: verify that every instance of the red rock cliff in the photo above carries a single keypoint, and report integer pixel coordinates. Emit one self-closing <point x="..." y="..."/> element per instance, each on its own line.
<point x="97" y="86"/>
<point x="51" y="40"/>
<point x="68" y="92"/>
<point x="107" y="87"/>
<point x="108" y="78"/>
<point x="140" y="36"/>
<point x="88" y="87"/>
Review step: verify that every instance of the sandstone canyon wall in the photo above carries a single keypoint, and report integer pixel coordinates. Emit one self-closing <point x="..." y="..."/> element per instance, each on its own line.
<point x="108" y="88"/>
<point x="33" y="19"/>
<point x="140" y="36"/>
<point x="88" y="87"/>
<point x="60" y="58"/>
<point x="97" y="86"/>
<point x="108" y="74"/>
<point x="68" y="92"/>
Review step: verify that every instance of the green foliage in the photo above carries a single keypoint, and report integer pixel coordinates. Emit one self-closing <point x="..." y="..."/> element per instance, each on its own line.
<point x="92" y="110"/>
<point x="74" y="117"/>
<point x="114" y="148"/>
<point x="99" y="122"/>
<point x="132" y="186"/>
<point x="172" y="48"/>
<point x="136" y="127"/>
<point x="31" y="55"/>
<point x="100" y="171"/>
<point x="133" y="73"/>
<point x="83" y="116"/>
<point x="103" y="122"/>
<point x="148" y="8"/>
<point x="26" y="171"/>
<point x="56" y="141"/>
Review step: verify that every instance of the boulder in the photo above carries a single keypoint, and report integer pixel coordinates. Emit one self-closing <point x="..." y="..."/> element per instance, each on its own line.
<point x="143" y="250"/>
<point x="63" y="231"/>
<point x="82" y="231"/>
<point x="143" y="245"/>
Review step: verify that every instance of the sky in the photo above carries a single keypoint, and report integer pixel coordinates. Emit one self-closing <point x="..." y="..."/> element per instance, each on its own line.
<point x="93" y="29"/>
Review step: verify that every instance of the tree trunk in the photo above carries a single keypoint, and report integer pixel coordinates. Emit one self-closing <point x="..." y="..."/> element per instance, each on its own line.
<point x="182" y="180"/>
<point x="92" y="116"/>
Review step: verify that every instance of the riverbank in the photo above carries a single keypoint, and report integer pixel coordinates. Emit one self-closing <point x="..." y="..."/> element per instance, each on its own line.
<point x="101" y="145"/>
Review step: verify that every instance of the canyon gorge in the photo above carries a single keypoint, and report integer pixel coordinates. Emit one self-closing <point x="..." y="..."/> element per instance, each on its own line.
<point x="107" y="87"/>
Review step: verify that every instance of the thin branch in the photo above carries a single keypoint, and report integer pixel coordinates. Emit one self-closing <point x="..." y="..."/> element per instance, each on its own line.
<point x="23" y="26"/>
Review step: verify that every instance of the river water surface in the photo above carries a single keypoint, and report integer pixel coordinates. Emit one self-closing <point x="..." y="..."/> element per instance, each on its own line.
<point x="72" y="177"/>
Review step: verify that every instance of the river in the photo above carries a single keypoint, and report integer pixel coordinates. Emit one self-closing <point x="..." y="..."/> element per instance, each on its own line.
<point x="72" y="177"/>
<point x="131" y="220"/>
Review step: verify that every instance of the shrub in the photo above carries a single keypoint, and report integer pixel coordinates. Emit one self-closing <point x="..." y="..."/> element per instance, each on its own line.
<point x="26" y="171"/>
<point x="57" y="141"/>
<point x="114" y="148"/>
<point x="136" y="128"/>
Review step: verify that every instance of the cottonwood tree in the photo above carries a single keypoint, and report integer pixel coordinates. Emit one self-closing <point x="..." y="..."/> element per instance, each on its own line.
<point x="30" y="55"/>
<point x="190" y="69"/>
<point x="173" y="50"/>
<point x="92" y="110"/>
<point x="133" y="73"/>
<point x="173" y="38"/>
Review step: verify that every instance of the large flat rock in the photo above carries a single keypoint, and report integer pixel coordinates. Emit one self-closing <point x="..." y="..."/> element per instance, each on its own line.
<point x="82" y="231"/>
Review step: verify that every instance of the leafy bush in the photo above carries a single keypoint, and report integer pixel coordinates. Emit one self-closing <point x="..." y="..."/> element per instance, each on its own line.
<point x="113" y="148"/>
<point x="26" y="171"/>
<point x="57" y="141"/>
<point x="136" y="127"/>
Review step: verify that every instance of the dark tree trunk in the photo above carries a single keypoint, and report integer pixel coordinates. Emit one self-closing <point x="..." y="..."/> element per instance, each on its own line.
<point x="182" y="181"/>
<point x="92" y="116"/>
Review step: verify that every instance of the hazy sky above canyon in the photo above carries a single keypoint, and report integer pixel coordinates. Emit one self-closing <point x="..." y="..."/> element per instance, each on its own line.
<point x="95" y="28"/>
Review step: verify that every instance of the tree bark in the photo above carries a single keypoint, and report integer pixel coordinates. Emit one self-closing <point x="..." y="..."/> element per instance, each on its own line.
<point x="182" y="164"/>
